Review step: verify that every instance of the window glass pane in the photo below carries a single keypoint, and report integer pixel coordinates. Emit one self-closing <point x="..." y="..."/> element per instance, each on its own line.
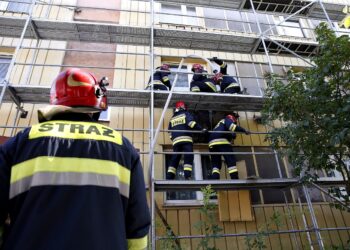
<point x="182" y="82"/>
<point x="179" y="195"/>
<point x="252" y="23"/>
<point x="171" y="9"/>
<point x="247" y="70"/>
<point x="292" y="29"/>
<point x="19" y="7"/>
<point x="3" y="5"/>
<point x="4" y="65"/>
<point x="235" y="21"/>
<point x="191" y="19"/>
<point x="214" y="14"/>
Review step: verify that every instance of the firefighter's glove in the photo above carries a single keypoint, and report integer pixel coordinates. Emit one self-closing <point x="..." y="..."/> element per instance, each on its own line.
<point x="247" y="132"/>
<point x="217" y="78"/>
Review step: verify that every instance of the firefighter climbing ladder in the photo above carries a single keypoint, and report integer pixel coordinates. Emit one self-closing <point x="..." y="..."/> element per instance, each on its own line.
<point x="39" y="29"/>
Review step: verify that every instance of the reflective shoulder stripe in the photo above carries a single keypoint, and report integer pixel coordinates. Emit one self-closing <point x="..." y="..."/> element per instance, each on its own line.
<point x="137" y="244"/>
<point x="165" y="78"/>
<point x="211" y="85"/>
<point x="192" y="124"/>
<point x="232" y="127"/>
<point x="75" y="130"/>
<point x="65" y="167"/>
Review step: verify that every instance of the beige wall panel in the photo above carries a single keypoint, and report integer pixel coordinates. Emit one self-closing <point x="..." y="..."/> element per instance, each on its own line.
<point x="140" y="80"/>
<point x="173" y="220"/>
<point x="131" y="64"/>
<point x="274" y="238"/>
<point x="125" y="15"/>
<point x="134" y="15"/>
<point x="288" y="241"/>
<point x="156" y="120"/>
<point x="243" y="122"/>
<point x="339" y="221"/>
<point x="185" y="227"/>
<point x="167" y="118"/>
<point x="229" y="227"/>
<point x="261" y="223"/>
<point x="194" y="218"/>
<point x="241" y="228"/>
<point x="233" y="203"/>
<point x="220" y="243"/>
<point x="223" y="206"/>
<point x="321" y="221"/>
<point x="128" y="122"/>
<point x="11" y="121"/>
<point x="17" y="71"/>
<point x="330" y="222"/>
<point x="252" y="126"/>
<point x="5" y="110"/>
<point x="138" y="124"/>
<point x="119" y="80"/>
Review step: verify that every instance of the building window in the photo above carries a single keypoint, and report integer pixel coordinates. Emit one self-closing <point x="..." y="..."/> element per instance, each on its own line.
<point x="178" y="14"/>
<point x="289" y="27"/>
<point x="105" y="115"/>
<point x="200" y="171"/>
<point x="4" y="65"/>
<point x="21" y="6"/>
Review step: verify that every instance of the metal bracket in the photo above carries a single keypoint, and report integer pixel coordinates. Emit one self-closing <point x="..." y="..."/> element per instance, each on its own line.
<point x="17" y="100"/>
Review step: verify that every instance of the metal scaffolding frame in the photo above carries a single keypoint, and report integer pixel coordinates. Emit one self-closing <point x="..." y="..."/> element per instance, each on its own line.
<point x="34" y="28"/>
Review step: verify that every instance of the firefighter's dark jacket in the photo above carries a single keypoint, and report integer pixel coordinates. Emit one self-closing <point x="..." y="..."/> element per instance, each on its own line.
<point x="224" y="138"/>
<point x="182" y="120"/>
<point x="72" y="185"/>
<point x="160" y="77"/>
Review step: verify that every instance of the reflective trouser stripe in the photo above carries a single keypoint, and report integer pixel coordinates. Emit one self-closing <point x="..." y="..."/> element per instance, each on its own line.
<point x="232" y="169"/>
<point x="192" y="124"/>
<point x="232" y="85"/>
<point x="157" y="82"/>
<point x="195" y="89"/>
<point x="220" y="141"/>
<point x="211" y="85"/>
<point x="215" y="170"/>
<point x="182" y="139"/>
<point x="137" y="244"/>
<point x="45" y="170"/>
<point x="172" y="170"/>
<point x="187" y="167"/>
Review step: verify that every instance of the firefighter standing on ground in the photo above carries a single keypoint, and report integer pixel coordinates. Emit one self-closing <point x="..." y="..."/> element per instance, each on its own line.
<point x="160" y="79"/>
<point x="69" y="182"/>
<point x="228" y="84"/>
<point x="200" y="81"/>
<point x="221" y="142"/>
<point x="182" y="140"/>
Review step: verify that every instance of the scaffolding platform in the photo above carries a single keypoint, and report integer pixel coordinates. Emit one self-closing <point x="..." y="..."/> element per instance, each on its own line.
<point x="276" y="183"/>
<point x="164" y="36"/>
<point x="142" y="98"/>
<point x="283" y="7"/>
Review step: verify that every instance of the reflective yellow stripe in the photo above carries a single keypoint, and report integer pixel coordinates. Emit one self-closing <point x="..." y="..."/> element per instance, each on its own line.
<point x="137" y="244"/>
<point x="69" y="164"/>
<point x="195" y="89"/>
<point x="223" y="65"/>
<point x="232" y="85"/>
<point x="232" y="127"/>
<point x="218" y="142"/>
<point x="215" y="170"/>
<point x="75" y="130"/>
<point x="172" y="170"/>
<point x="233" y="171"/>
<point x="165" y="78"/>
<point x="182" y="139"/>
<point x="192" y="124"/>
<point x="187" y="167"/>
<point x="211" y="85"/>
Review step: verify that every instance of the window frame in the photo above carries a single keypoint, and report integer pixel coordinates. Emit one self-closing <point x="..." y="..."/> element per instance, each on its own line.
<point x="21" y="6"/>
<point x="183" y="20"/>
<point x="4" y="71"/>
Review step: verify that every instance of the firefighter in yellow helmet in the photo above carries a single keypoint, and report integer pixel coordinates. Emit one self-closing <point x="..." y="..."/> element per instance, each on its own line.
<point x="69" y="182"/>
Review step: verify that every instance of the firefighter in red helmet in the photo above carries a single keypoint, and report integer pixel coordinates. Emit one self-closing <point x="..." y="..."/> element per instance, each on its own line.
<point x="161" y="80"/>
<point x="200" y="81"/>
<point x="69" y="182"/>
<point x="219" y="141"/>
<point x="181" y="122"/>
<point x="227" y="84"/>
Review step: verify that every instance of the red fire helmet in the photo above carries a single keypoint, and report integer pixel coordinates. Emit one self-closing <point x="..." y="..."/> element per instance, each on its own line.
<point x="76" y="88"/>
<point x="196" y="67"/>
<point x="180" y="105"/>
<point x="232" y="117"/>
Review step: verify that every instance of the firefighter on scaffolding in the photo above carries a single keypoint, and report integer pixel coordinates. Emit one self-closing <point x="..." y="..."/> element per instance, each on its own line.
<point x="219" y="141"/>
<point x="181" y="122"/>
<point x="160" y="79"/>
<point x="228" y="84"/>
<point x="200" y="81"/>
